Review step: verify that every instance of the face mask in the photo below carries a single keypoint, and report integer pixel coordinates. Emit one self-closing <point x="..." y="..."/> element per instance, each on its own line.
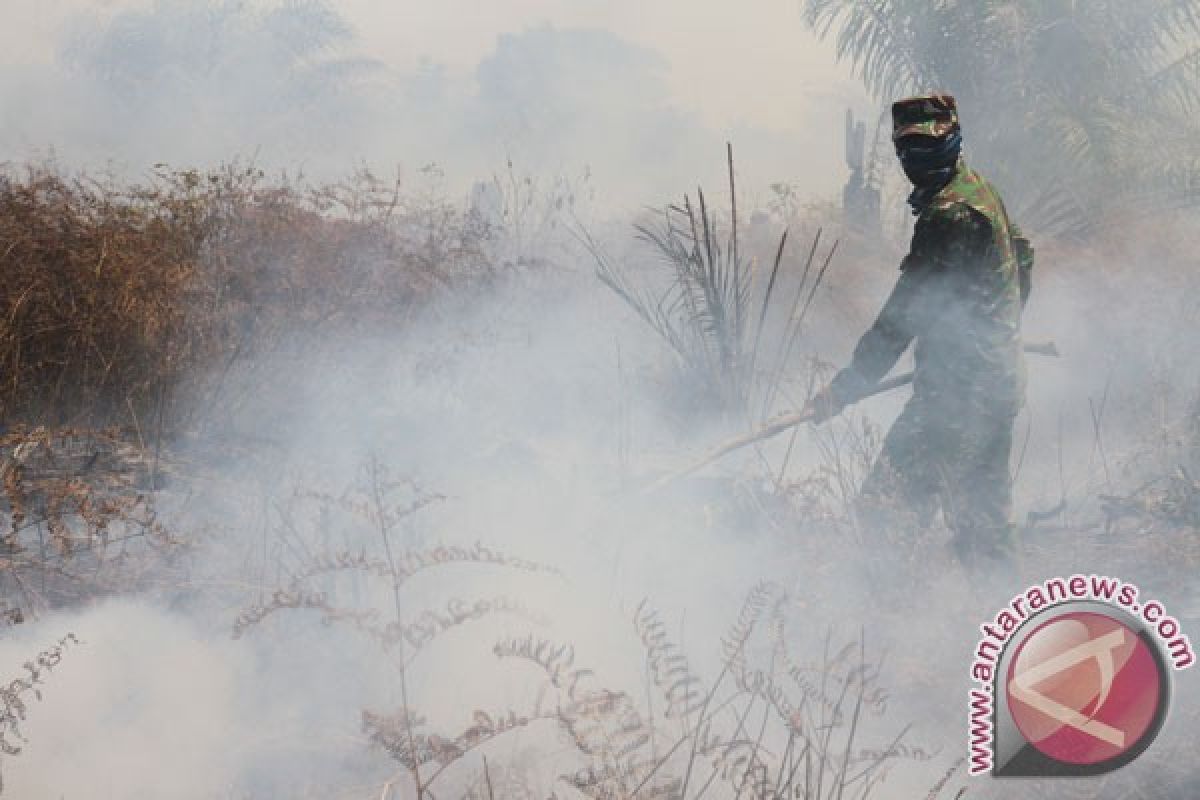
<point x="928" y="160"/>
<point x="924" y="177"/>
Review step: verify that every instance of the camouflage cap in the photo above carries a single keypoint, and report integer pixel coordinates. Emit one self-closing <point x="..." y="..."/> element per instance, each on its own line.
<point x="925" y="115"/>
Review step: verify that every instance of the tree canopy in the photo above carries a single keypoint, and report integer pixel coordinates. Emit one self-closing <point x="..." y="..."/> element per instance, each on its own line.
<point x="1075" y="109"/>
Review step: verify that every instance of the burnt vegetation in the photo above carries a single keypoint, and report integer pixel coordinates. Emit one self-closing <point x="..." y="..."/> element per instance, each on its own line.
<point x="766" y="729"/>
<point x="130" y="305"/>
<point x="135" y="317"/>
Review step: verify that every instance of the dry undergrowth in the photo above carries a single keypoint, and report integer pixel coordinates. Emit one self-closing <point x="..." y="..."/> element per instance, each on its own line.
<point x="125" y="308"/>
<point x="793" y="729"/>
<point x="119" y="299"/>
<point x="788" y="727"/>
<point x="79" y="518"/>
<point x="14" y="695"/>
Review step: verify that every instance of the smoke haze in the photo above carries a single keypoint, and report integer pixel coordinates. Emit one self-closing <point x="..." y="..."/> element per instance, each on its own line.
<point x="524" y="414"/>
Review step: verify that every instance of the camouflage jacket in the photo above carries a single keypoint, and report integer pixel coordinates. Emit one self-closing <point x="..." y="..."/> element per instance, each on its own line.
<point x="960" y="294"/>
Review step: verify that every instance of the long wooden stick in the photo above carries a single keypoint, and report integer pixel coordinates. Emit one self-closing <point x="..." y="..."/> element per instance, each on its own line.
<point x="783" y="422"/>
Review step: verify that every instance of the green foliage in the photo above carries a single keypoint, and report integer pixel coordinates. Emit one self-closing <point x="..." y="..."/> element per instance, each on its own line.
<point x="1076" y="109"/>
<point x="717" y="302"/>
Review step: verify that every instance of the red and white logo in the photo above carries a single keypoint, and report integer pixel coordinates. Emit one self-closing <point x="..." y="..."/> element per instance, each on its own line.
<point x="1072" y="679"/>
<point x="1084" y="688"/>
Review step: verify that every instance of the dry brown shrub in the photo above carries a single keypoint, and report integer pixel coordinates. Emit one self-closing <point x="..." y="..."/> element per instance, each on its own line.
<point x="118" y="298"/>
<point x="80" y="521"/>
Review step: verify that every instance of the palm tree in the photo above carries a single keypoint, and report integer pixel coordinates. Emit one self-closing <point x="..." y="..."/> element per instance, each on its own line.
<point x="1077" y="109"/>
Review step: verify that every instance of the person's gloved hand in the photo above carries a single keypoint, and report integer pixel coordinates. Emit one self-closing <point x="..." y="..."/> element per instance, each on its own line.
<point x="824" y="405"/>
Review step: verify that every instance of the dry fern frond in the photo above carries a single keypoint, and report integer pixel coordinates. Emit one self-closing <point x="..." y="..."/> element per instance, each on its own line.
<point x="71" y="496"/>
<point x="12" y="695"/>
<point x="668" y="666"/>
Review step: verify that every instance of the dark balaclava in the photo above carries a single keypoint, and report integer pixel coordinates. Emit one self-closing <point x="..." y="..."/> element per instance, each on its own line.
<point x="928" y="142"/>
<point x="929" y="161"/>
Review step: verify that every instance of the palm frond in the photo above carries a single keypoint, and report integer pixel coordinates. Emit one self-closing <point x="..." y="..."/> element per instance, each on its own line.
<point x="877" y="37"/>
<point x="1177" y="82"/>
<point x="1075" y="107"/>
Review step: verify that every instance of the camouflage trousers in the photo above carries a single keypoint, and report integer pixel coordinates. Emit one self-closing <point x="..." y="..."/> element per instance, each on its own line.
<point x="952" y="457"/>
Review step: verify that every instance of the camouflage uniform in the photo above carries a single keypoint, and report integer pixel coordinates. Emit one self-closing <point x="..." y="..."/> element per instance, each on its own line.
<point x="960" y="294"/>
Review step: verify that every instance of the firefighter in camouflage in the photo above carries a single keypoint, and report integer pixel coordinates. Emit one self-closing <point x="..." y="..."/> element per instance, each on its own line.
<point x="959" y="296"/>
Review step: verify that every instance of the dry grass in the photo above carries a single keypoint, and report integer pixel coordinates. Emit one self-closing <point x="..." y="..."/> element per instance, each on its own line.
<point x="119" y="300"/>
<point x="124" y="309"/>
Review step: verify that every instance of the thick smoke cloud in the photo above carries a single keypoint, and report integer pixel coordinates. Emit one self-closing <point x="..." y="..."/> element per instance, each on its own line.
<point x="285" y="85"/>
<point x="530" y="407"/>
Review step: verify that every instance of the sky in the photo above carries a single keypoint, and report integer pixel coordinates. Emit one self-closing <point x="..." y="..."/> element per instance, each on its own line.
<point x="635" y="76"/>
<point x="735" y="64"/>
<point x="732" y="64"/>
